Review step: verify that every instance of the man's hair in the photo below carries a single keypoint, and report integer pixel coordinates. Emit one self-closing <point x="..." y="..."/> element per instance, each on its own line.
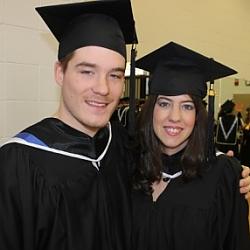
<point x="150" y="149"/>
<point x="65" y="60"/>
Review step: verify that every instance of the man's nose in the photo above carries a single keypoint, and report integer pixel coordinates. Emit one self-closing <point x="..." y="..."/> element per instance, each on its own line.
<point x="101" y="86"/>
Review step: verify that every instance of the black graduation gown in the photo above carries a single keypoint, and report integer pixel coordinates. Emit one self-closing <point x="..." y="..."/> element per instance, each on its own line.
<point x="226" y="134"/>
<point x="207" y="213"/>
<point x="56" y="199"/>
<point x="121" y="115"/>
<point x="245" y="148"/>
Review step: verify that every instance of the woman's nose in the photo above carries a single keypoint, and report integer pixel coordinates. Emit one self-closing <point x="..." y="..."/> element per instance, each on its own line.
<point x="175" y="114"/>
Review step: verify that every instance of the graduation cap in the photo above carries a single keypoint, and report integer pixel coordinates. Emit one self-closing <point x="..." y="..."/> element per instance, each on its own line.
<point x="109" y="24"/>
<point x="177" y="70"/>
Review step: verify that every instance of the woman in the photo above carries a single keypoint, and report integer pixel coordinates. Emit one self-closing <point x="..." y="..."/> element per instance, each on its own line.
<point x="185" y="197"/>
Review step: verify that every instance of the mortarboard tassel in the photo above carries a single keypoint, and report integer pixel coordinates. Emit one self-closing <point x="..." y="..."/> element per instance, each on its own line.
<point x="132" y="104"/>
<point x="210" y="132"/>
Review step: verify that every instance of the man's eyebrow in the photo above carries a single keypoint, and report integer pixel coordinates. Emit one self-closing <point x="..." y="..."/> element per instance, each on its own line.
<point x="121" y="69"/>
<point x="85" y="64"/>
<point x="93" y="65"/>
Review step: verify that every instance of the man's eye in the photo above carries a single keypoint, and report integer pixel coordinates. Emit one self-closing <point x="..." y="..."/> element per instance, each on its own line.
<point x="116" y="76"/>
<point x="87" y="72"/>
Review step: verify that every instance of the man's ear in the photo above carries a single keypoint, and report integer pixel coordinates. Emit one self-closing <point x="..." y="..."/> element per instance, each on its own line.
<point x="123" y="89"/>
<point x="59" y="73"/>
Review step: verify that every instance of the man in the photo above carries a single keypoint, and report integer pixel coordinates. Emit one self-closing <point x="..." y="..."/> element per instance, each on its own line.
<point x="64" y="181"/>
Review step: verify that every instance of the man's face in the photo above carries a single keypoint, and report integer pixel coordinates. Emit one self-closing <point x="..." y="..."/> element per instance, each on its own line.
<point x="92" y="85"/>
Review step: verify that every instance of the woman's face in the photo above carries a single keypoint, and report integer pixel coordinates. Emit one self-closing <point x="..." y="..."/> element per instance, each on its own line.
<point x="173" y="121"/>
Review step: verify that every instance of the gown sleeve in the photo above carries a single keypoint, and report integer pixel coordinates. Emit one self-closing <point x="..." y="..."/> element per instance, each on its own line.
<point x="126" y="145"/>
<point x="16" y="200"/>
<point x="234" y="209"/>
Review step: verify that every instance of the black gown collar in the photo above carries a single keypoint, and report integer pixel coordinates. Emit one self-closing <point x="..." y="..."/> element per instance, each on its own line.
<point x="172" y="163"/>
<point x="58" y="135"/>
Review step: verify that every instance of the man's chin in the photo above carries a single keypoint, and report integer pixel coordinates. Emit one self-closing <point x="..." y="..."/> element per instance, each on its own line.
<point x="98" y="124"/>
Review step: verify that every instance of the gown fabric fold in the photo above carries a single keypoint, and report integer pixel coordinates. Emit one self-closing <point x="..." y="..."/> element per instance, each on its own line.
<point x="207" y="213"/>
<point x="49" y="200"/>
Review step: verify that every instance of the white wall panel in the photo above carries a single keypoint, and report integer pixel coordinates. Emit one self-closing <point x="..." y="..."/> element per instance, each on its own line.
<point x="2" y="83"/>
<point x="26" y="50"/>
<point x="21" y="13"/>
<point x="20" y="115"/>
<point x="2" y="119"/>
<point x="48" y="89"/>
<point x="1" y="43"/>
<point x="47" y="109"/>
<point x="21" y="82"/>
<point x="1" y="11"/>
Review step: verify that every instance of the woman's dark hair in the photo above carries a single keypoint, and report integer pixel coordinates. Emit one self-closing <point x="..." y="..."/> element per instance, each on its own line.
<point x="150" y="149"/>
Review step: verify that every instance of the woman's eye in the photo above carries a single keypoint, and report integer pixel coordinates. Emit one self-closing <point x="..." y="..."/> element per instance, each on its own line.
<point x="163" y="103"/>
<point x="188" y="106"/>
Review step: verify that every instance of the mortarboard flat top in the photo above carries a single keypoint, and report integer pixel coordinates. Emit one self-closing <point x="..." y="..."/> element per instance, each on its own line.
<point x="177" y="70"/>
<point x="108" y="24"/>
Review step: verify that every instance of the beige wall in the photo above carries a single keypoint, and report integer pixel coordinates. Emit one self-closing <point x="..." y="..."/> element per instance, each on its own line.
<point x="217" y="28"/>
<point x="27" y="54"/>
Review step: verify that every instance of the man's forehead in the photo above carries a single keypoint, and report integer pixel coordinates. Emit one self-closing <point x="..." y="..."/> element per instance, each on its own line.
<point x="94" y="56"/>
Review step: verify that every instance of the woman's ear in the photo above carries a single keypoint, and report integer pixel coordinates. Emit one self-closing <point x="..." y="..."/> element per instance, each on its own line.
<point x="59" y="73"/>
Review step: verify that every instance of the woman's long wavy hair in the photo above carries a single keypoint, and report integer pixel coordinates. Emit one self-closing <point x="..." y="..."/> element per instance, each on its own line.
<point x="150" y="149"/>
